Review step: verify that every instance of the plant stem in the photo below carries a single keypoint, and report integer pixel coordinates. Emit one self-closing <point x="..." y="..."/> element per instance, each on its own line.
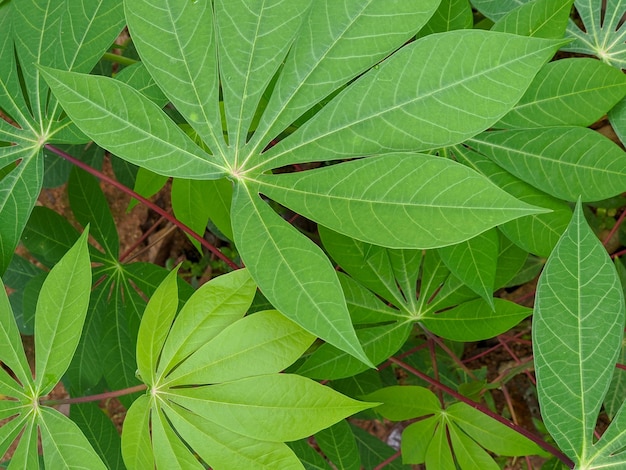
<point x="101" y="176"/>
<point x="118" y="59"/>
<point x="98" y="397"/>
<point x="536" y="439"/>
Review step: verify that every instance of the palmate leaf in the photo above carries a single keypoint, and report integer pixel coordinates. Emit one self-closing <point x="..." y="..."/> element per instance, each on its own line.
<point x="53" y="33"/>
<point x="339" y="446"/>
<point x="225" y="399"/>
<point x="422" y="97"/>
<point x="577" y="335"/>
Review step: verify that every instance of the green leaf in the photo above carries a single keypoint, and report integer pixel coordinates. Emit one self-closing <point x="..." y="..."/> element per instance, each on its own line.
<point x="566" y="162"/>
<point x="169" y="451"/>
<point x="308" y="456"/>
<point x="539" y="19"/>
<point x="401" y="402"/>
<point x="18" y="192"/>
<point x="364" y="306"/>
<point x="568" y="92"/>
<point x="191" y="206"/>
<point x="155" y="326"/>
<point x="339" y="446"/>
<point x="263" y="343"/>
<point x="489" y="433"/>
<point x="254" y="38"/>
<point x="12" y="353"/>
<point x="167" y="37"/>
<point x="130" y="126"/>
<point x="61" y="310"/>
<point x="537" y="233"/>
<point x="100" y="431"/>
<point x="64" y="446"/>
<point x="48" y="235"/>
<point x="338" y="41"/>
<point x="579" y="307"/>
<point x="224" y="449"/>
<point x="136" y="447"/>
<point x="26" y="453"/>
<point x="295" y="408"/>
<point x="601" y="35"/>
<point x="438" y="102"/>
<point x="450" y="15"/>
<point x="476" y="320"/>
<point x="416" y="438"/>
<point x="278" y="256"/>
<point x="373" y="451"/>
<point x="468" y="454"/>
<point x="402" y="201"/>
<point x="211" y="309"/>
<point x="474" y="262"/>
<point x="379" y="343"/>
<point x="91" y="208"/>
<point x="219" y="194"/>
<point x="439" y="454"/>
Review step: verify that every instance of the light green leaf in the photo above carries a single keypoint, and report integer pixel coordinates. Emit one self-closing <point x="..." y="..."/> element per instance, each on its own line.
<point x="253" y="39"/>
<point x="289" y="408"/>
<point x="219" y="194"/>
<point x="602" y="33"/>
<point x="12" y="352"/>
<point x="425" y="87"/>
<point x="496" y="9"/>
<point x="474" y="262"/>
<point x="379" y="343"/>
<point x="439" y="454"/>
<point x="169" y="451"/>
<point x="155" y="326"/>
<point x="147" y="183"/>
<point x="489" y="433"/>
<point x="400" y="200"/>
<point x="136" y="447"/>
<point x="130" y="126"/>
<point x="416" y="438"/>
<point x="539" y="19"/>
<point x="339" y="446"/>
<point x="401" y="402"/>
<point x="139" y="78"/>
<point x="263" y="343"/>
<point x="176" y="41"/>
<point x="476" y="320"/>
<point x="364" y="306"/>
<point x="568" y="92"/>
<point x="577" y="335"/>
<point x="11" y="429"/>
<point x="61" y="310"/>
<point x="64" y="446"/>
<point x="338" y="41"/>
<point x="210" y="310"/>
<point x="617" y="118"/>
<point x="563" y="161"/>
<point x="468" y="454"/>
<point x="226" y="450"/>
<point x="26" y="454"/>
<point x="191" y="206"/>
<point x="277" y="255"/>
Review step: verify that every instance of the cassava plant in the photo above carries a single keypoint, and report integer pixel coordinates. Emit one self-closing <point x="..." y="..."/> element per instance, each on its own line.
<point x="440" y="163"/>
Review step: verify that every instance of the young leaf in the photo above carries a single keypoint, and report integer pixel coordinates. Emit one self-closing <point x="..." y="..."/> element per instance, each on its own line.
<point x="314" y="298"/>
<point x="577" y="335"/>
<point x="416" y="438"/>
<point x="169" y="451"/>
<point x="210" y="310"/>
<point x="61" y="310"/>
<point x="403" y="199"/>
<point x="296" y="408"/>
<point x="155" y="326"/>
<point x="136" y="447"/>
<point x="405" y="402"/>
<point x="468" y="454"/>
<point x="263" y="343"/>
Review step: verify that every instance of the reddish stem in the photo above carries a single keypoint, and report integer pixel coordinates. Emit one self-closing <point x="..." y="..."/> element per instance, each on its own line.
<point x="101" y="176"/>
<point x="98" y="397"/>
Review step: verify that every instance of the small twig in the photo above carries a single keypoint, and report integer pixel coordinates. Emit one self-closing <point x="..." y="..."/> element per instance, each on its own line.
<point x="98" y="397"/>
